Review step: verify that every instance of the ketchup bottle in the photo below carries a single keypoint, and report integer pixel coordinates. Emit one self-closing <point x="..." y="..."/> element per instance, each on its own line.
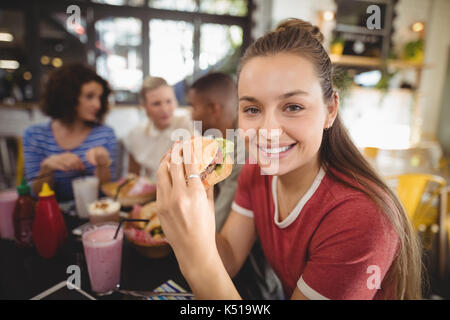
<point x="49" y="228"/>
<point x="23" y="216"/>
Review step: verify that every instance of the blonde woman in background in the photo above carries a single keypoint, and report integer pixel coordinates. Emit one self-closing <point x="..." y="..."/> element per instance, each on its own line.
<point x="149" y="140"/>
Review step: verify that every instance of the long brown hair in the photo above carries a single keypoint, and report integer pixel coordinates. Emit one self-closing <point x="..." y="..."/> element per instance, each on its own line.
<point x="338" y="152"/>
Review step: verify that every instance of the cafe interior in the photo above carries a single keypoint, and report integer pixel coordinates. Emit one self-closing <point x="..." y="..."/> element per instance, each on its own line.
<point x="393" y="67"/>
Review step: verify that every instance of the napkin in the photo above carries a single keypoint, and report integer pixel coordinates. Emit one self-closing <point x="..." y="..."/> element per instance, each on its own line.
<point x="170" y="286"/>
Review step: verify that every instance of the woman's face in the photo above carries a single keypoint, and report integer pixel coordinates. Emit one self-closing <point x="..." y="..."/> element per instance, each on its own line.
<point x="89" y="101"/>
<point x="280" y="98"/>
<point x="160" y="104"/>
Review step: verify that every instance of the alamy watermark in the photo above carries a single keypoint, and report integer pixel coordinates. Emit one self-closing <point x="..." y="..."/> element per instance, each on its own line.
<point x="263" y="146"/>
<point x="374" y="280"/>
<point x="374" y="20"/>
<point x="74" y="18"/>
<point x="74" y="279"/>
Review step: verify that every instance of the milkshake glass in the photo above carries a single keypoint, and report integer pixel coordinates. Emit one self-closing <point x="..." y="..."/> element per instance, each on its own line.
<point x="103" y="256"/>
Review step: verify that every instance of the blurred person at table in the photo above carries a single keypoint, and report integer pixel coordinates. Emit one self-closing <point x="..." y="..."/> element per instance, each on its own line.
<point x="213" y="98"/>
<point x="328" y="224"/>
<point x="74" y="142"/>
<point x="150" y="139"/>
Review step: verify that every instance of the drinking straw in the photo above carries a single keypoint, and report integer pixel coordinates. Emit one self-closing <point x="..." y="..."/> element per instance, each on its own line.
<point x="130" y="220"/>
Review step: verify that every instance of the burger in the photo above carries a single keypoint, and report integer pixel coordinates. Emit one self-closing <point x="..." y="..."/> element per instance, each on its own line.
<point x="212" y="157"/>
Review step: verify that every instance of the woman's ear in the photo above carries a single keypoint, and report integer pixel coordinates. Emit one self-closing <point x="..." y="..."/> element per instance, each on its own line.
<point x="332" y="109"/>
<point x="215" y="109"/>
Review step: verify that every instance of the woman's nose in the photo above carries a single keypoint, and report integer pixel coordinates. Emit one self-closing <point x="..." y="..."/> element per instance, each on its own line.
<point x="97" y="103"/>
<point x="270" y="128"/>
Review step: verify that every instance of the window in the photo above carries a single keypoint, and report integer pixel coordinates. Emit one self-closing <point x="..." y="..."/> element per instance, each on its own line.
<point x="171" y="50"/>
<point x="218" y="45"/>
<point x="181" y="5"/>
<point x="125" y="40"/>
<point x="230" y="7"/>
<point x="134" y="3"/>
<point x="119" y="59"/>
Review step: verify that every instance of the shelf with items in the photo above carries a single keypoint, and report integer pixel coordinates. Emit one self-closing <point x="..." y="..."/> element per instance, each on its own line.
<point x="370" y="62"/>
<point x="349" y="62"/>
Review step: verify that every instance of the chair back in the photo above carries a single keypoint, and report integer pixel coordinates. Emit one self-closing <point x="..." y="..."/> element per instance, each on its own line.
<point x="371" y="152"/>
<point x="413" y="190"/>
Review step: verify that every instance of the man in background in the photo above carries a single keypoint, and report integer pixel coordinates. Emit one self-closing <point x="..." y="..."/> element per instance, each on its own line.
<point x="215" y="103"/>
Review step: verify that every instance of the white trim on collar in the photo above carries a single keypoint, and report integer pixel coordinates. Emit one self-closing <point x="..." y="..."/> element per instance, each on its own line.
<point x="301" y="203"/>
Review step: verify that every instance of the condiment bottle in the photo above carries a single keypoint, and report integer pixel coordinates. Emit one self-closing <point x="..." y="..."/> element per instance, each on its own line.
<point x="49" y="228"/>
<point x="23" y="216"/>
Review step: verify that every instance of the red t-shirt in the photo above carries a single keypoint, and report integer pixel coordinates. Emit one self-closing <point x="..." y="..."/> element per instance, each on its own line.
<point x="335" y="244"/>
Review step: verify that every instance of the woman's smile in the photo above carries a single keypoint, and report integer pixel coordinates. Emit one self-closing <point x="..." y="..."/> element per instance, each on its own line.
<point x="274" y="152"/>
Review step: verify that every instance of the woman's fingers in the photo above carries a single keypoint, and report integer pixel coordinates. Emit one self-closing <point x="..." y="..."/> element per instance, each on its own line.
<point x="164" y="183"/>
<point x="90" y="157"/>
<point x="176" y="166"/>
<point x="191" y="165"/>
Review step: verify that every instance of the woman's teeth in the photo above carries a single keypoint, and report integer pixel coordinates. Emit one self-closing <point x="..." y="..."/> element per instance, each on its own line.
<point x="276" y="150"/>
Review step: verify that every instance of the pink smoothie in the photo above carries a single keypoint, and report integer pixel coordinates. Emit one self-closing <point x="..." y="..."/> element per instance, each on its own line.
<point x="7" y="202"/>
<point x="103" y="257"/>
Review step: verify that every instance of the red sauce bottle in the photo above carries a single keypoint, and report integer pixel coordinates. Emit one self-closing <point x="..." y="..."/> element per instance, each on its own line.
<point x="49" y="228"/>
<point x="23" y="216"/>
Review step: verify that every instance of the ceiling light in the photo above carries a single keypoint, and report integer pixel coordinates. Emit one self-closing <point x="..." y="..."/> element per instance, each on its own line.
<point x="9" y="64"/>
<point x="418" y="27"/>
<point x="5" y="36"/>
<point x="328" y="15"/>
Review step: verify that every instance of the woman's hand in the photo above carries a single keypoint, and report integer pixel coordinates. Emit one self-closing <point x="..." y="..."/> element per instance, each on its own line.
<point x="98" y="156"/>
<point x="64" y="162"/>
<point x="186" y="210"/>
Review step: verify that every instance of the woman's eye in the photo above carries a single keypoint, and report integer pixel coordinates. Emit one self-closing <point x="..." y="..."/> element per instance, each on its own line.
<point x="251" y="110"/>
<point x="294" y="108"/>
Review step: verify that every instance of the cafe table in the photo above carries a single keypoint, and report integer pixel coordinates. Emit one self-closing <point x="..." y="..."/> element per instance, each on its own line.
<point x="24" y="274"/>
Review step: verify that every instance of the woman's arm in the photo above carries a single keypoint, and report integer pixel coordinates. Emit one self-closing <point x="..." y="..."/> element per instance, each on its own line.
<point x="235" y="241"/>
<point x="103" y="173"/>
<point x="186" y="213"/>
<point x="63" y="162"/>
<point x="45" y="175"/>
<point x="212" y="278"/>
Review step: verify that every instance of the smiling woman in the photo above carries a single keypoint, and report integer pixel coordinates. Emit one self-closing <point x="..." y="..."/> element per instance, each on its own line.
<point x="323" y="216"/>
<point x="74" y="142"/>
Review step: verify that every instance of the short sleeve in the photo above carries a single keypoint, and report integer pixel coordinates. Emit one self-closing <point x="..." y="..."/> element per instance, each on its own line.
<point x="34" y="153"/>
<point x="350" y="253"/>
<point x="242" y="200"/>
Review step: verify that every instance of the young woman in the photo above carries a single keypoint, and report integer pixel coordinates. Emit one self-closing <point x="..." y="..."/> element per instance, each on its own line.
<point x="73" y="142"/>
<point x="149" y="140"/>
<point x="328" y="225"/>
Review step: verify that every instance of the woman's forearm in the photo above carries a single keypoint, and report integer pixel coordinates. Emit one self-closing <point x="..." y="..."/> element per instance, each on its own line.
<point x="227" y="256"/>
<point x="210" y="280"/>
<point x="103" y="174"/>
<point x="44" y="175"/>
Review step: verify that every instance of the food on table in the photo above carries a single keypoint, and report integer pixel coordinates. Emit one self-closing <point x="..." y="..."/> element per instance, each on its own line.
<point x="145" y="233"/>
<point x="131" y="190"/>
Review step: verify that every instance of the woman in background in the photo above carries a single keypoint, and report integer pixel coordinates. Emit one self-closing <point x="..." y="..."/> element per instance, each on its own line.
<point x="149" y="140"/>
<point x="74" y="142"/>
